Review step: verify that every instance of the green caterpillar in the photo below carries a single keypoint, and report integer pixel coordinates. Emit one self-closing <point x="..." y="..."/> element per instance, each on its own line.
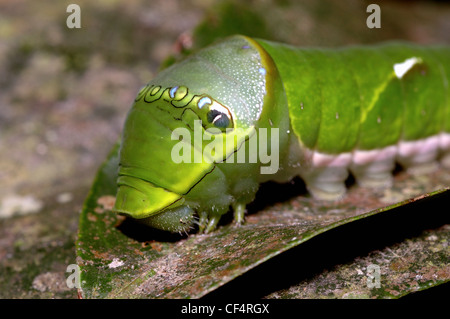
<point x="203" y="134"/>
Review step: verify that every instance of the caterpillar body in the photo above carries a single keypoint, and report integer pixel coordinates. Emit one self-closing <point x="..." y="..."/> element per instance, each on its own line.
<point x="206" y="132"/>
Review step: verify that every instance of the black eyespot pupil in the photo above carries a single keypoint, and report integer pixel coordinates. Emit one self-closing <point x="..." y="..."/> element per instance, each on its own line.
<point x="218" y="119"/>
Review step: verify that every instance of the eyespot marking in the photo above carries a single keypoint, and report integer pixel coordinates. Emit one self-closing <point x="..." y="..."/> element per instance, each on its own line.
<point x="219" y="115"/>
<point x="218" y="118"/>
<point x="204" y="101"/>
<point x="155" y="90"/>
<point x="262" y="71"/>
<point x="173" y="91"/>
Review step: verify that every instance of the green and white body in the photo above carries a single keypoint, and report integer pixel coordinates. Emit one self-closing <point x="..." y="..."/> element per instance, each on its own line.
<point x="319" y="113"/>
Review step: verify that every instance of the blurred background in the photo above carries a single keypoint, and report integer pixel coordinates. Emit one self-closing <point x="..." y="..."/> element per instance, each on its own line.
<point x="64" y="95"/>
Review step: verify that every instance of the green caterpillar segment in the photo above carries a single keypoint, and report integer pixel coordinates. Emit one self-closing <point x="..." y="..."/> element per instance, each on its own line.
<point x="377" y="94"/>
<point x="203" y="134"/>
<point x="442" y="57"/>
<point x="423" y="92"/>
<point x="179" y="220"/>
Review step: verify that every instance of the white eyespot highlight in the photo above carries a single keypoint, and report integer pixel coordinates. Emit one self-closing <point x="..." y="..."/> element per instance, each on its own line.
<point x="216" y="118"/>
<point x="204" y="101"/>
<point x="262" y="71"/>
<point x="173" y="91"/>
<point x="402" y="68"/>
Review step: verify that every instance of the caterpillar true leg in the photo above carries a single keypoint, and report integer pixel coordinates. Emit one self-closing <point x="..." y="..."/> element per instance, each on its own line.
<point x="239" y="213"/>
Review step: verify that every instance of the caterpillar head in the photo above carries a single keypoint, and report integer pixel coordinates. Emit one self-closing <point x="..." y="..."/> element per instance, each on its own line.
<point x="182" y="128"/>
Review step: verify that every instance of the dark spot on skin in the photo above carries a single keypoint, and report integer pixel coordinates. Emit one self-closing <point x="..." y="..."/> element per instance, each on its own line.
<point x="221" y="121"/>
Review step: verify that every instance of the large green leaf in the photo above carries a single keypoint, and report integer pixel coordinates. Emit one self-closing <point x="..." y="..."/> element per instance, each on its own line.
<point x="121" y="259"/>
